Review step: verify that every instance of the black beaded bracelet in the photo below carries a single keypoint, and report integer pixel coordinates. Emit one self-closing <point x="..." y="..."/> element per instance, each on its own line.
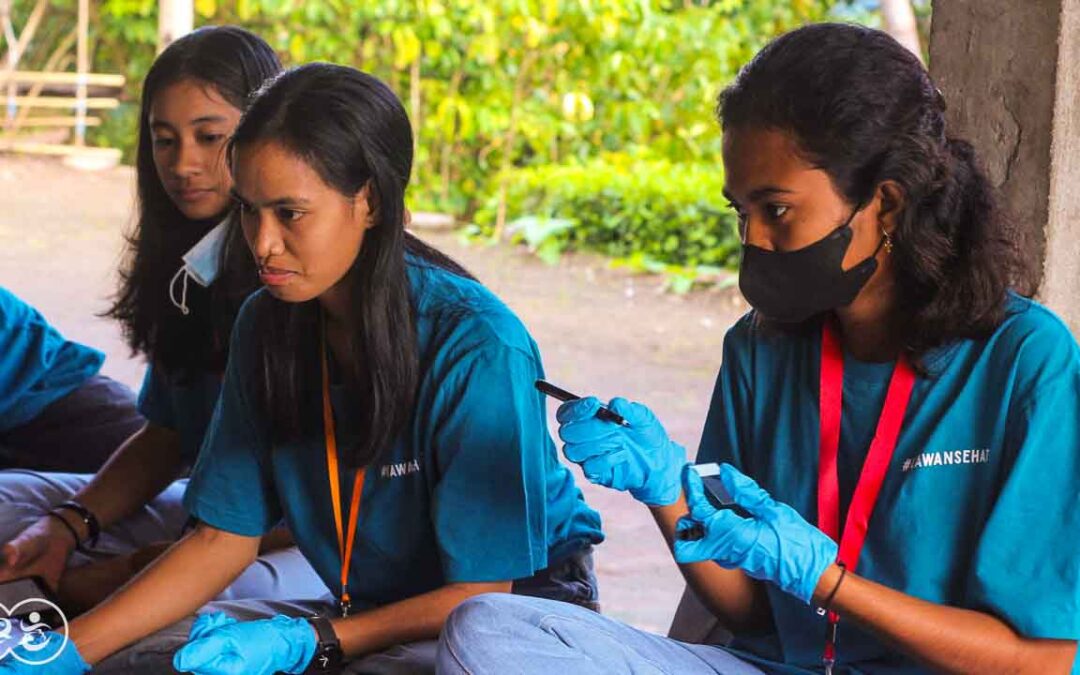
<point x="68" y="527"/>
<point x="93" y="528"/>
<point x="824" y="608"/>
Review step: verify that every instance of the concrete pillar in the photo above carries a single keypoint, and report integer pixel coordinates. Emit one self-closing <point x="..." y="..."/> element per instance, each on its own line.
<point x="176" y="18"/>
<point x="1010" y="72"/>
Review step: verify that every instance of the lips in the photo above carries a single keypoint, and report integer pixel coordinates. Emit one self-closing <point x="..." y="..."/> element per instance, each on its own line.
<point x="275" y="276"/>
<point x="192" y="194"/>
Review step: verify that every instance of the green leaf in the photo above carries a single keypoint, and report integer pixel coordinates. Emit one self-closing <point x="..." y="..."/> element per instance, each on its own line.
<point x="298" y="48"/>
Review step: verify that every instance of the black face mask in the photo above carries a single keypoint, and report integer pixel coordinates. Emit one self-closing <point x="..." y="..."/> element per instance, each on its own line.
<point x="792" y="286"/>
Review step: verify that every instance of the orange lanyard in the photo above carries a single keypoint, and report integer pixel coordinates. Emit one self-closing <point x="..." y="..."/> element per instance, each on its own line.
<point x="345" y="546"/>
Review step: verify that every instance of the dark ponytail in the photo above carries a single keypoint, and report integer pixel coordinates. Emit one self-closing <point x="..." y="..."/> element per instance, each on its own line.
<point x="863" y="109"/>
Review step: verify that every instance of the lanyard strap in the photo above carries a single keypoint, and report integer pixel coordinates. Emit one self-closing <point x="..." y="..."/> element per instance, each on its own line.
<point x="874" y="468"/>
<point x="345" y="545"/>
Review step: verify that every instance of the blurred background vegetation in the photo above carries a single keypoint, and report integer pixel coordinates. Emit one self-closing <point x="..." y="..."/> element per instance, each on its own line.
<point x="565" y="124"/>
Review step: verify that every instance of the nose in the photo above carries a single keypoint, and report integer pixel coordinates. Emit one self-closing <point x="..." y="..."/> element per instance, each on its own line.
<point x="756" y="234"/>
<point x="263" y="235"/>
<point x="187" y="162"/>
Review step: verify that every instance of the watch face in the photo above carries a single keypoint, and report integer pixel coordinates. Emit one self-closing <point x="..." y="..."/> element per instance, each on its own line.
<point x="328" y="657"/>
<point x="328" y="654"/>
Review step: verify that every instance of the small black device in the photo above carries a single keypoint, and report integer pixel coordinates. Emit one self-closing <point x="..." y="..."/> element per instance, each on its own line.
<point x="328" y="654"/>
<point x="603" y="413"/>
<point x="717" y="495"/>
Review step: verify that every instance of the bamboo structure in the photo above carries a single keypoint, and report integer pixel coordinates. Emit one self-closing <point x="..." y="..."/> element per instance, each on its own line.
<point x="24" y="89"/>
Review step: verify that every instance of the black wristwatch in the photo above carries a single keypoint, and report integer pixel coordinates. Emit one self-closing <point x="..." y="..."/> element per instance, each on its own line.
<point x="328" y="654"/>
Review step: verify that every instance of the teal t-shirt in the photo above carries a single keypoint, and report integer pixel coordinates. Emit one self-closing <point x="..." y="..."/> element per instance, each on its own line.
<point x="37" y="365"/>
<point x="980" y="508"/>
<point x="473" y="490"/>
<point x="183" y="404"/>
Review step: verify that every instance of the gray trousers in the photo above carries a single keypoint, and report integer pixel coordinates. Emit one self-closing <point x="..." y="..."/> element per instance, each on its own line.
<point x="571" y="580"/>
<point x="154" y="654"/>
<point x="77" y="432"/>
<point x="26" y="495"/>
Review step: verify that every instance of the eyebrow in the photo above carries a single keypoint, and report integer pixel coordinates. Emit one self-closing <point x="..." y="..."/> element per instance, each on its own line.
<point x="198" y="120"/>
<point x="760" y="193"/>
<point x="208" y="118"/>
<point x="280" y="201"/>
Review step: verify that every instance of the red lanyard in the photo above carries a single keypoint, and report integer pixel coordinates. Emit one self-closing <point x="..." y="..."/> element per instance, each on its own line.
<point x="874" y="468"/>
<point x="345" y="545"/>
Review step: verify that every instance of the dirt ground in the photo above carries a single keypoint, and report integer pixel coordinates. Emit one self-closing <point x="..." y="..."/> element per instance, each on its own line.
<point x="601" y="332"/>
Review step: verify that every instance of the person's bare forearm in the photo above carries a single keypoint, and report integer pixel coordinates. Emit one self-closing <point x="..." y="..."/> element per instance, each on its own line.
<point x="136" y="473"/>
<point x="946" y="639"/>
<point x="418" y="618"/>
<point x="739" y="602"/>
<point x="185" y="578"/>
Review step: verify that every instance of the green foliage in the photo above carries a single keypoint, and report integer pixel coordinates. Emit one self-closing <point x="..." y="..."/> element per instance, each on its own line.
<point x="652" y="213"/>
<point x="499" y="89"/>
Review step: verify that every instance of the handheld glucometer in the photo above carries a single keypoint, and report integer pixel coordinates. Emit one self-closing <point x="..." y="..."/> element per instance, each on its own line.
<point x="717" y="495"/>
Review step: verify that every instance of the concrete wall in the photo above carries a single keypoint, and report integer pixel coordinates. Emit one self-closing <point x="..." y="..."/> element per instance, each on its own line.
<point x="1010" y="71"/>
<point x="1061" y="284"/>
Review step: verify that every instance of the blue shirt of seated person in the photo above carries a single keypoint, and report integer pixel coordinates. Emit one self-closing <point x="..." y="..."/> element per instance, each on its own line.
<point x="472" y="491"/>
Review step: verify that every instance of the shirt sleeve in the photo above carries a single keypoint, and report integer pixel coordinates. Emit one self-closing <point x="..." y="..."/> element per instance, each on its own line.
<point x="489" y="503"/>
<point x="37" y="365"/>
<point x="232" y="486"/>
<point x="155" y="398"/>
<point x="726" y="431"/>
<point x="1027" y="562"/>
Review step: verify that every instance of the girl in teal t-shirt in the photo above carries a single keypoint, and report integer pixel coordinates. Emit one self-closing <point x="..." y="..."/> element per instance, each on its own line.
<point x="899" y="429"/>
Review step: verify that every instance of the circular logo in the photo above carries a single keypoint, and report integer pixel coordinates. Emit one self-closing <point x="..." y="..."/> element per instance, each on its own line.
<point x="33" y="637"/>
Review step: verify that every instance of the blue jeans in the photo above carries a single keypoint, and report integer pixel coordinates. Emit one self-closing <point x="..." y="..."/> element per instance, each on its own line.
<point x="498" y="633"/>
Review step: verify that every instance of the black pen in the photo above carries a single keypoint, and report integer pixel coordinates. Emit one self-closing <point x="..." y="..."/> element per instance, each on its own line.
<point x="603" y="413"/>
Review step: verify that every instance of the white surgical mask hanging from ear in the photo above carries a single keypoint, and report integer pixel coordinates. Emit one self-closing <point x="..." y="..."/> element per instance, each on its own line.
<point x="202" y="263"/>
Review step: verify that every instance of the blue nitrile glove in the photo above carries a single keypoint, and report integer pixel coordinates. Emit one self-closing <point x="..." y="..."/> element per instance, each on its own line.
<point x="775" y="544"/>
<point x="26" y="660"/>
<point x="219" y="645"/>
<point x="639" y="458"/>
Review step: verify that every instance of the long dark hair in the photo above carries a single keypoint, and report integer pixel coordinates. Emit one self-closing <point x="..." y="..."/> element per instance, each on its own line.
<point x="354" y="132"/>
<point x="234" y="62"/>
<point x="863" y="109"/>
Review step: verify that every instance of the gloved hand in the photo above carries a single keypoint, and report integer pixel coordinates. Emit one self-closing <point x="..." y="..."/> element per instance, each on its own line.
<point x="640" y="458"/>
<point x="220" y="645"/>
<point x="774" y="544"/>
<point x="47" y="654"/>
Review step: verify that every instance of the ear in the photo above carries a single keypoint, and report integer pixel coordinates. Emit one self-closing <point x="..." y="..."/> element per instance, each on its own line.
<point x="365" y="207"/>
<point x="891" y="200"/>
